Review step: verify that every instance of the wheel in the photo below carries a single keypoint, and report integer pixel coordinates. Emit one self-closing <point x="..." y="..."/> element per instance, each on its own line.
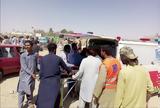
<point x="1" y="75"/>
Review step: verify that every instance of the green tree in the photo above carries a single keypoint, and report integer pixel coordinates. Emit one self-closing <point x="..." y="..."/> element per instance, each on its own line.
<point x="50" y="33"/>
<point x="64" y="31"/>
<point x="70" y="32"/>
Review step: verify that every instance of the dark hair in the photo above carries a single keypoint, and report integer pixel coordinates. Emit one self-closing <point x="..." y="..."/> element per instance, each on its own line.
<point x="74" y="46"/>
<point x="91" y="51"/>
<point x="51" y="47"/>
<point x="5" y="37"/>
<point x="107" y="49"/>
<point x="67" y="48"/>
<point x="84" y="52"/>
<point x="28" y="41"/>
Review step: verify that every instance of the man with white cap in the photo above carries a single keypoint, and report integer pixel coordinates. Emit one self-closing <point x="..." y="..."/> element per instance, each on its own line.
<point x="133" y="82"/>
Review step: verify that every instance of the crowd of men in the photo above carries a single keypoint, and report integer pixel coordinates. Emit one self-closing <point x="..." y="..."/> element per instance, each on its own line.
<point x="104" y="83"/>
<point x="14" y="40"/>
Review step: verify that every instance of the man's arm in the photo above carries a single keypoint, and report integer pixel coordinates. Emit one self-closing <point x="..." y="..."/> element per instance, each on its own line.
<point x="28" y="69"/>
<point x="41" y="68"/>
<point x="120" y="90"/>
<point x="80" y="71"/>
<point x="64" y="66"/>
<point x="100" y="81"/>
<point x="64" y="58"/>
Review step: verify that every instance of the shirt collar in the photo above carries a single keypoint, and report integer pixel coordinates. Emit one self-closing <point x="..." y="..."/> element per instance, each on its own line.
<point x="28" y="54"/>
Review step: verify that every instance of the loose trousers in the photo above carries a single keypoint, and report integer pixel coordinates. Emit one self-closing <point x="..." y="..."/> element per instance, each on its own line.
<point x="21" y="96"/>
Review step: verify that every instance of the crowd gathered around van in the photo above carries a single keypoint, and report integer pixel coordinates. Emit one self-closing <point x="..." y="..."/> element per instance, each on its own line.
<point x="105" y="81"/>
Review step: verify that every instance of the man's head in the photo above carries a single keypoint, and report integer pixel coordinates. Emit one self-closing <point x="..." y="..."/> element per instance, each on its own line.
<point x="91" y="51"/>
<point x="27" y="37"/>
<point x="74" y="46"/>
<point x="106" y="50"/>
<point x="52" y="47"/>
<point x="28" y="45"/>
<point x="5" y="37"/>
<point x="67" y="48"/>
<point x="128" y="57"/>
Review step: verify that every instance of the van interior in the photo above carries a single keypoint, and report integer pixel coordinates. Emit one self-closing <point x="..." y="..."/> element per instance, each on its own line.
<point x="98" y="42"/>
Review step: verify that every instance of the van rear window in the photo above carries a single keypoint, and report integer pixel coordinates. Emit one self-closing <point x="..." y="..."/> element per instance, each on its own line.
<point x="97" y="43"/>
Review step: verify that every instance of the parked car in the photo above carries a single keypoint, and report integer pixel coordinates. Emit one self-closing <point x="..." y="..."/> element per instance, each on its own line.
<point x="9" y="59"/>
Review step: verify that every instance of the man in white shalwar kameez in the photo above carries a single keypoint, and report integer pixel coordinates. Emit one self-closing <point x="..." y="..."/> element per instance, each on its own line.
<point x="88" y="72"/>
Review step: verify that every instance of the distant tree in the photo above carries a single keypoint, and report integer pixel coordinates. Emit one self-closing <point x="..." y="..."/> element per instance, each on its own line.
<point x="61" y="36"/>
<point x="70" y="32"/>
<point x="50" y="33"/>
<point x="64" y="31"/>
<point x="42" y="32"/>
<point x="56" y="39"/>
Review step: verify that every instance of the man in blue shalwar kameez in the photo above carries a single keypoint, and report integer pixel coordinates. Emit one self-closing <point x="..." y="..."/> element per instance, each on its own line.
<point x="50" y="75"/>
<point x="27" y="75"/>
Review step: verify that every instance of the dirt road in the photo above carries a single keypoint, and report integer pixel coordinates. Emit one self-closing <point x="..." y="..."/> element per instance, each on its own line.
<point x="9" y="96"/>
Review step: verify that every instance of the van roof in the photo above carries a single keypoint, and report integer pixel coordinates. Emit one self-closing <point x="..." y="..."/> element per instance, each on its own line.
<point x="104" y="36"/>
<point x="138" y="43"/>
<point x="88" y="36"/>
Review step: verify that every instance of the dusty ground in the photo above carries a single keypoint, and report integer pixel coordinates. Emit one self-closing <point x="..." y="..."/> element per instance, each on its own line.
<point x="9" y="99"/>
<point x="9" y="96"/>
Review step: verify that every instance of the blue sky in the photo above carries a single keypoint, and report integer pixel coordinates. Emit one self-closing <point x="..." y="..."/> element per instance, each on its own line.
<point x="126" y="18"/>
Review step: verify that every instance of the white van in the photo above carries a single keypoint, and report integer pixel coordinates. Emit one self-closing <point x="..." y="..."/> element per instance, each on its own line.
<point x="147" y="52"/>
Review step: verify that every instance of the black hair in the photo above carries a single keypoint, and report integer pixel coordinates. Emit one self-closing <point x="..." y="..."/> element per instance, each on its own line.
<point x="107" y="49"/>
<point x="91" y="50"/>
<point x="28" y="41"/>
<point x="74" y="46"/>
<point x="84" y="52"/>
<point x="67" y="48"/>
<point x="51" y="47"/>
<point x="5" y="37"/>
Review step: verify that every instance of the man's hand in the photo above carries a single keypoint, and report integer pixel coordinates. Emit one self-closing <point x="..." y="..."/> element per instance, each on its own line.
<point x="74" y="72"/>
<point x="34" y="76"/>
<point x="73" y="77"/>
<point x="95" y="100"/>
<point x="74" y="67"/>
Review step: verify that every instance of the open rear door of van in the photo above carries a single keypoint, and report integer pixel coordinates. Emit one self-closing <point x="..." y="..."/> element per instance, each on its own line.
<point x="98" y="42"/>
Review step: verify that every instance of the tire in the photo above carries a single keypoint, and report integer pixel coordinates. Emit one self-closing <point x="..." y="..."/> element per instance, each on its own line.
<point x="1" y="75"/>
